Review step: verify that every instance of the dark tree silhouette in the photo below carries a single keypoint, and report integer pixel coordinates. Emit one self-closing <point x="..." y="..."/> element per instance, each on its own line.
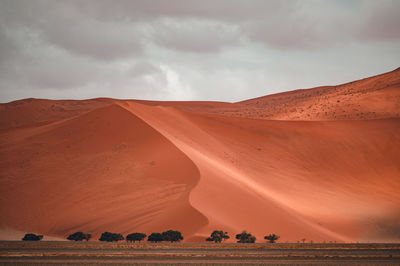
<point x="111" y="237"/>
<point x="217" y="236"/>
<point x="88" y="237"/>
<point x="245" y="237"/>
<point x="135" y="237"/>
<point x="272" y="238"/>
<point x="172" y="236"/>
<point x="155" y="237"/>
<point x="32" y="237"/>
<point x="79" y="236"/>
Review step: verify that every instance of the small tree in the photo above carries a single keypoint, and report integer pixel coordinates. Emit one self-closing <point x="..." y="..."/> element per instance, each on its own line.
<point x="135" y="237"/>
<point x="155" y="237"/>
<point x="79" y="236"/>
<point x="245" y="237"/>
<point x="303" y="240"/>
<point x="172" y="236"/>
<point x="111" y="237"/>
<point x="272" y="238"/>
<point x="217" y="236"/>
<point x="32" y="237"/>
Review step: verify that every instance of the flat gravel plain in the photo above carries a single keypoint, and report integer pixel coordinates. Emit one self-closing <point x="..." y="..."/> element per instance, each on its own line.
<point x="91" y="253"/>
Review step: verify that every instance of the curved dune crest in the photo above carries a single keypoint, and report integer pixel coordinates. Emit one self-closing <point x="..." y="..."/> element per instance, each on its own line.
<point x="302" y="179"/>
<point x="129" y="166"/>
<point x="104" y="170"/>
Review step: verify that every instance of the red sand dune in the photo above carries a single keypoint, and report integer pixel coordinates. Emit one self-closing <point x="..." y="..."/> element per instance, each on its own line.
<point x="328" y="173"/>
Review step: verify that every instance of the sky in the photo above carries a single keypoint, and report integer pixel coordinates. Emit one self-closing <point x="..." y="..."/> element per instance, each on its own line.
<point x="218" y="50"/>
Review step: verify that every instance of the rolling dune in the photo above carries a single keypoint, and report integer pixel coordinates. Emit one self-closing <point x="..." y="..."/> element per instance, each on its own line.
<point x="328" y="173"/>
<point x="103" y="169"/>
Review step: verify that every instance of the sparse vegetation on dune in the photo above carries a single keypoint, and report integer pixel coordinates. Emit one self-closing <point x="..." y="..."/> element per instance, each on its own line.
<point x="155" y="237"/>
<point x="111" y="237"/>
<point x="79" y="236"/>
<point x="172" y="236"/>
<point x="32" y="237"/>
<point x="218" y="236"/>
<point x="245" y="237"/>
<point x="272" y="238"/>
<point x="135" y="237"/>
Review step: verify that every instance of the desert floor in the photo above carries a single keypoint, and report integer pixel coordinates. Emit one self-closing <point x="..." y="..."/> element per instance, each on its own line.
<point x="71" y="253"/>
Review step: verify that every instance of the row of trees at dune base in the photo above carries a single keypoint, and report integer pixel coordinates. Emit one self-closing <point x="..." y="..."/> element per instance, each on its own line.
<point x="216" y="236"/>
<point x="243" y="237"/>
<point x="170" y="235"/>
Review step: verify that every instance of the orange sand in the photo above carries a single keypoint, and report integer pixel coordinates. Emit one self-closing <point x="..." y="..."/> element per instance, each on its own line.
<point x="328" y="173"/>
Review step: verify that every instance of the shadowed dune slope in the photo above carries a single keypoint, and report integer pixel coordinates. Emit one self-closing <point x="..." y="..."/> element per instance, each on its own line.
<point x="320" y="180"/>
<point x="104" y="170"/>
<point x="321" y="164"/>
<point x="36" y="112"/>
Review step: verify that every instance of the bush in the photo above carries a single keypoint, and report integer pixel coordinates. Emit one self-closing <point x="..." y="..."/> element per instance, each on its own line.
<point x="32" y="237"/>
<point x="79" y="236"/>
<point x="218" y="236"/>
<point x="272" y="238"/>
<point x="245" y="237"/>
<point x="135" y="237"/>
<point x="172" y="236"/>
<point x="155" y="237"/>
<point x="111" y="237"/>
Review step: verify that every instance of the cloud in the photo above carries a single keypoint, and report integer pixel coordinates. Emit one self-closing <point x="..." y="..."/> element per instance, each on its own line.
<point x="226" y="50"/>
<point x="195" y="35"/>
<point x="382" y="22"/>
<point x="67" y="28"/>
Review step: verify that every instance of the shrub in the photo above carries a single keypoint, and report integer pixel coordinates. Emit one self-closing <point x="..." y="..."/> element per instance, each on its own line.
<point x="245" y="237"/>
<point x="79" y="236"/>
<point x="135" y="237"/>
<point x="110" y="237"/>
<point x="155" y="237"/>
<point x="172" y="236"/>
<point x="218" y="236"/>
<point x="32" y="237"/>
<point x="272" y="238"/>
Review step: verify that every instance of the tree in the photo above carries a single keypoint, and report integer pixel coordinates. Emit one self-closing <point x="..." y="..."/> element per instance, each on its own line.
<point x="272" y="238"/>
<point x="217" y="236"/>
<point x="303" y="240"/>
<point x="79" y="236"/>
<point x="245" y="237"/>
<point x="135" y="237"/>
<point x="110" y="237"/>
<point x="155" y="237"/>
<point x="32" y="237"/>
<point x="172" y="236"/>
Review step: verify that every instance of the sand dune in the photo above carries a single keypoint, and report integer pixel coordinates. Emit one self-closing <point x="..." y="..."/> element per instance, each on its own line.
<point x="127" y="165"/>
<point x="371" y="98"/>
<point x="104" y="169"/>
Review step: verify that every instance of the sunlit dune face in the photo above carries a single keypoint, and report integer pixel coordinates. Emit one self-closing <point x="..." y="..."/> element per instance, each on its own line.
<point x="125" y="166"/>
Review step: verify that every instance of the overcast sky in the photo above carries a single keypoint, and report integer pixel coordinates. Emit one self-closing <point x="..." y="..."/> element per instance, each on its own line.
<point x="224" y="50"/>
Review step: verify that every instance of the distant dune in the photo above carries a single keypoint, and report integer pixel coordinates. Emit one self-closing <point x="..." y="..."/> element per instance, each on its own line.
<point x="321" y="164"/>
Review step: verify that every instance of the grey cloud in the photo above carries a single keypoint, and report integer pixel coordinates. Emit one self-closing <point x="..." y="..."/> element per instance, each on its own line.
<point x="322" y="24"/>
<point x="95" y="39"/>
<point x="143" y="69"/>
<point x="189" y="49"/>
<point x="382" y="22"/>
<point x="7" y="47"/>
<point x="62" y="24"/>
<point x="227" y="10"/>
<point x="195" y="35"/>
